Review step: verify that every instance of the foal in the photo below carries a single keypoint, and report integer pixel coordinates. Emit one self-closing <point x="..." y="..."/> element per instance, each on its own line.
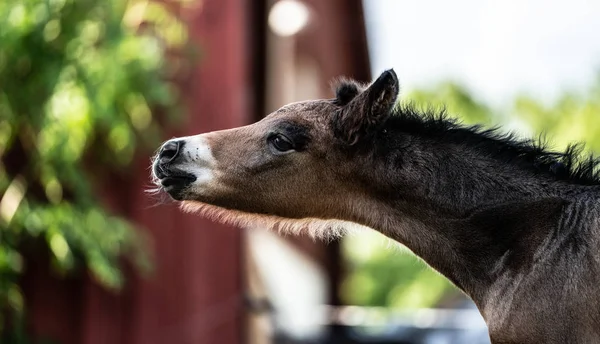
<point x="512" y="225"/>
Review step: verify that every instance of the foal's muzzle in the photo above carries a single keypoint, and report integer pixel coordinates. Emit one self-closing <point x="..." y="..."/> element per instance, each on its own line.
<point x="172" y="179"/>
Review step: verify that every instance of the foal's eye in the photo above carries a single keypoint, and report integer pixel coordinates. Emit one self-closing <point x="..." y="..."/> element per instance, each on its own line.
<point x="281" y="143"/>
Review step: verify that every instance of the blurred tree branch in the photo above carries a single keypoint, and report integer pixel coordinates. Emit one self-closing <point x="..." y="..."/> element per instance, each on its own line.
<point x="79" y="81"/>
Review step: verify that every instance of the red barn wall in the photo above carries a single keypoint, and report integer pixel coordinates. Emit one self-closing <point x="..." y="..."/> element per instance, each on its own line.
<point x="195" y="294"/>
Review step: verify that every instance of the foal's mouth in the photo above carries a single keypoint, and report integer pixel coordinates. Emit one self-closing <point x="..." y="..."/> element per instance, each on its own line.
<point x="177" y="181"/>
<point x="173" y="181"/>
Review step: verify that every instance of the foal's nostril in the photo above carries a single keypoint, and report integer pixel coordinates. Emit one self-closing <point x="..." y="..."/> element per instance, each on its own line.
<point x="169" y="151"/>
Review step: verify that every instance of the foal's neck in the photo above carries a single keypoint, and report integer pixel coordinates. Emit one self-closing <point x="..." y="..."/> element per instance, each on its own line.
<point x="471" y="217"/>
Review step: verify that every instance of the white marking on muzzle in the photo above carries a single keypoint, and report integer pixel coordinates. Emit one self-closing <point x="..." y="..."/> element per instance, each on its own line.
<point x="197" y="159"/>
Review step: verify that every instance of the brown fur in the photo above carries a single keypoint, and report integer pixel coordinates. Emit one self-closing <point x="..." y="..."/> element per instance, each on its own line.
<point x="513" y="225"/>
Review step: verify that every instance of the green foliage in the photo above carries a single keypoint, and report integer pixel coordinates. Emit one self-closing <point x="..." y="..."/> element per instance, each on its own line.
<point x="78" y="80"/>
<point x="386" y="274"/>
<point x="571" y="118"/>
<point x="456" y="100"/>
<point x="380" y="274"/>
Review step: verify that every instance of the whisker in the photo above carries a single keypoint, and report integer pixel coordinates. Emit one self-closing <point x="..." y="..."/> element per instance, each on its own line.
<point x="160" y="198"/>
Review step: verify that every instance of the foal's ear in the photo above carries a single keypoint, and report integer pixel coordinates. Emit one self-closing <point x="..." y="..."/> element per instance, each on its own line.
<point x="365" y="113"/>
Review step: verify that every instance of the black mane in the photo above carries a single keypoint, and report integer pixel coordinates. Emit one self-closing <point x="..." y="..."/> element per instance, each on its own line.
<point x="571" y="165"/>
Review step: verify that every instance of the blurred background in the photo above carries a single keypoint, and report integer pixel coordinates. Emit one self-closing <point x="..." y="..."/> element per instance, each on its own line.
<point x="89" y="89"/>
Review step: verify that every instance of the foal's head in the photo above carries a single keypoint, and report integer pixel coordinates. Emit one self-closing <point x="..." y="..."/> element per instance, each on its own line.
<point x="305" y="163"/>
